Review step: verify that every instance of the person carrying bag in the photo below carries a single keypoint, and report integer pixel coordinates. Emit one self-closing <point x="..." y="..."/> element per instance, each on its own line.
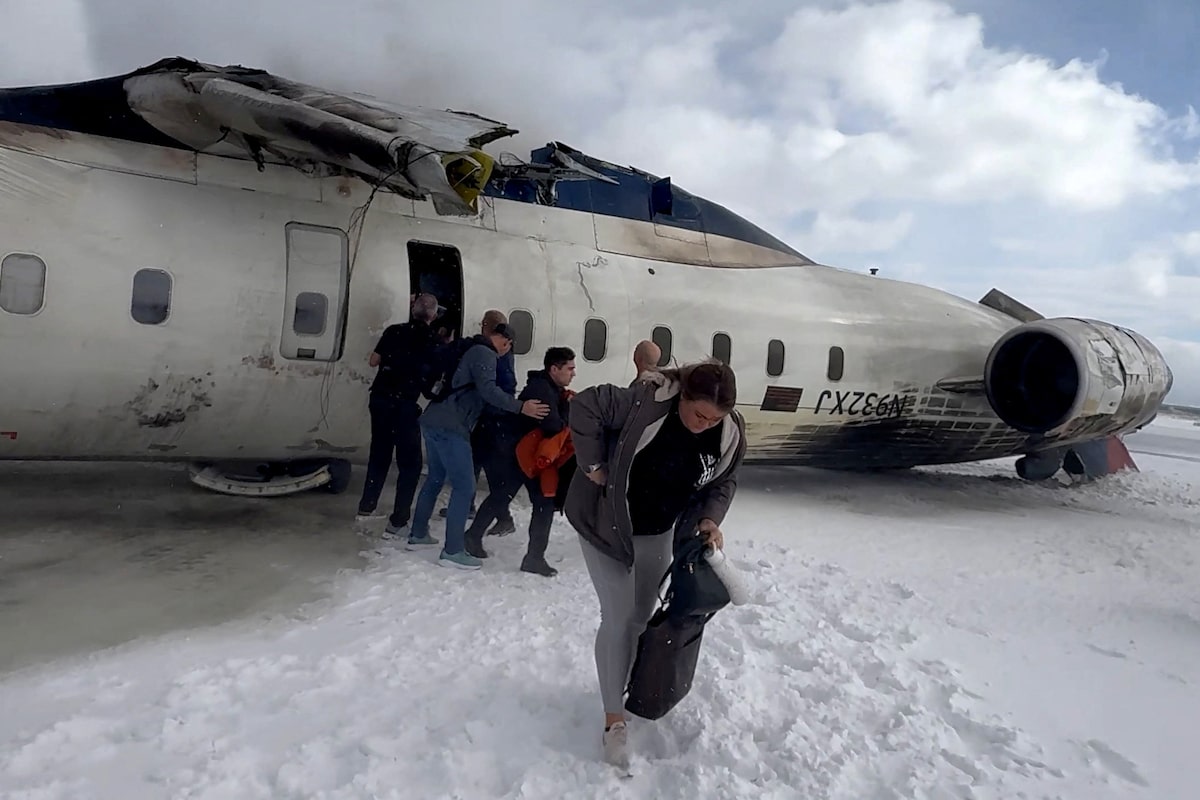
<point x="698" y="584"/>
<point x="659" y="462"/>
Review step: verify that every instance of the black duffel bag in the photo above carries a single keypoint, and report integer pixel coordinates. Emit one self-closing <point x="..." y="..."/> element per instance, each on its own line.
<point x="667" y="651"/>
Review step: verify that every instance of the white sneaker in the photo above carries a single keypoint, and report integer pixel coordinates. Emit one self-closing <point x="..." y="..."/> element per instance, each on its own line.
<point x="394" y="532"/>
<point x="616" y="745"/>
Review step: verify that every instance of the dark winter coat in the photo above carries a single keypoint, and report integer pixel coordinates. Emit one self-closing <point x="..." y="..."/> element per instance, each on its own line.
<point x="610" y="425"/>
<point x="506" y="380"/>
<point x="459" y="412"/>
<point x="540" y="386"/>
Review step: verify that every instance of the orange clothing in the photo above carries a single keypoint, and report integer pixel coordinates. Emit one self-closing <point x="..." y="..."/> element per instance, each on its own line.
<point x="541" y="457"/>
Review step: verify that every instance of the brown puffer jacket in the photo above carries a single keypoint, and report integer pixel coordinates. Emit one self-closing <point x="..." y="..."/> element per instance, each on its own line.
<point x="610" y="424"/>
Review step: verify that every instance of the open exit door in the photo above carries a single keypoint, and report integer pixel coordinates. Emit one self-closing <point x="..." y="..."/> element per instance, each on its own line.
<point x="437" y="269"/>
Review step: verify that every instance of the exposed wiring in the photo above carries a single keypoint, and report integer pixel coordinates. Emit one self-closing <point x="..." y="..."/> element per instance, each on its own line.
<point x="354" y="232"/>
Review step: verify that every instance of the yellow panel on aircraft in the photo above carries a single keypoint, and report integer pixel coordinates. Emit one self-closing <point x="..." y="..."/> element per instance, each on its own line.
<point x="468" y="173"/>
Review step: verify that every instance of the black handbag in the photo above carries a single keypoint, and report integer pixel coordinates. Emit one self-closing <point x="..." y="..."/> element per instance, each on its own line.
<point x="695" y="588"/>
<point x="668" y="650"/>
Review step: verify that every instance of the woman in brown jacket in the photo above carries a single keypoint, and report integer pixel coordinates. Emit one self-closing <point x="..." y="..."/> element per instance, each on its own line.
<point x="661" y="458"/>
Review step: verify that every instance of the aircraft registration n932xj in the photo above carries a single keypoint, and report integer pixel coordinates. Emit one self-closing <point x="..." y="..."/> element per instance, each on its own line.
<point x="196" y="262"/>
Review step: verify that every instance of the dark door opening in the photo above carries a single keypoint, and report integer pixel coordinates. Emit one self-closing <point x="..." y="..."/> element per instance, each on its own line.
<point x="437" y="269"/>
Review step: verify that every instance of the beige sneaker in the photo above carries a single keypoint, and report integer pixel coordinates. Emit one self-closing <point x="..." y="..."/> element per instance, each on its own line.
<point x="616" y="745"/>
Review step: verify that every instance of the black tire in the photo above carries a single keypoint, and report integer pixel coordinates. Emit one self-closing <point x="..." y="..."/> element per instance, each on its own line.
<point x="340" y="472"/>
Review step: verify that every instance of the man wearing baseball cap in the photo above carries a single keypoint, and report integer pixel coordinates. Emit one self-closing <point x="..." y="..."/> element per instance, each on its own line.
<point x="468" y="384"/>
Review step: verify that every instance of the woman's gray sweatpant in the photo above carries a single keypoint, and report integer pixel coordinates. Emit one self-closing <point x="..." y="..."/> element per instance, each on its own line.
<point x="627" y="601"/>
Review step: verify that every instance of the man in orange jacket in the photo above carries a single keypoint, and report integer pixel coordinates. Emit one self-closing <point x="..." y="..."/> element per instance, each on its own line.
<point x="541" y="458"/>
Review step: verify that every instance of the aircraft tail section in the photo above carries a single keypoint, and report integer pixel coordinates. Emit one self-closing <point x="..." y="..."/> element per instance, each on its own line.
<point x="999" y="301"/>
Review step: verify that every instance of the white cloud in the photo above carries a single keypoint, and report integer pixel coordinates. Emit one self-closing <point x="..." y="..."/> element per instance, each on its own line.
<point x="45" y="41"/>
<point x="1188" y="246"/>
<point x="1184" y="360"/>
<point x="1163" y="273"/>
<point x="853" y="235"/>
<point x="955" y="121"/>
<point x="1150" y="271"/>
<point x="1014" y="244"/>
<point x="1138" y="293"/>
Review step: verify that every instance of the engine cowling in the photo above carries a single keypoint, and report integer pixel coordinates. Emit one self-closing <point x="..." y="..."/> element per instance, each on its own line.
<point x="1075" y="377"/>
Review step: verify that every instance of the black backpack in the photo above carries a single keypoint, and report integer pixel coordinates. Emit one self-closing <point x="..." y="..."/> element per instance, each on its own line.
<point x="446" y="361"/>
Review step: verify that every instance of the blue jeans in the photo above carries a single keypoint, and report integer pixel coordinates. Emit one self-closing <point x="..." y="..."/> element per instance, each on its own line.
<point x="449" y="456"/>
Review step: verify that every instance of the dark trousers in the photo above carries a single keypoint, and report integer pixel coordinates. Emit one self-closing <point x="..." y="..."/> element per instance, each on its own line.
<point x="509" y="480"/>
<point x="395" y="432"/>
<point x="488" y="441"/>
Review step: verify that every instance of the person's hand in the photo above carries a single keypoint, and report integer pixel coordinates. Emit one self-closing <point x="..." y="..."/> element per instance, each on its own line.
<point x="535" y="408"/>
<point x="712" y="534"/>
<point x="598" y="477"/>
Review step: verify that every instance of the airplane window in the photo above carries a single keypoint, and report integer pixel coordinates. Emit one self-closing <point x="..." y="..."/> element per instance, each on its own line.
<point x="595" y="339"/>
<point x="22" y="283"/>
<point x="151" y="302"/>
<point x="774" y="358"/>
<point x="722" y="348"/>
<point x="661" y="336"/>
<point x="837" y="363"/>
<point x="311" y="310"/>
<point x="521" y="322"/>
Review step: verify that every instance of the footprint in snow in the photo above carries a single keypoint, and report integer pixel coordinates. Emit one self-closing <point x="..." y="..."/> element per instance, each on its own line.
<point x="1116" y="763"/>
<point x="1104" y="652"/>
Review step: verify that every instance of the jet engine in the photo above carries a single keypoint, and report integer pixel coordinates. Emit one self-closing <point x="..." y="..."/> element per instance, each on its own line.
<point x="1075" y="378"/>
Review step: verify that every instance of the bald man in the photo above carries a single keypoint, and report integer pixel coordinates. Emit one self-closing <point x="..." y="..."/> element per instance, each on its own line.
<point x="645" y="357"/>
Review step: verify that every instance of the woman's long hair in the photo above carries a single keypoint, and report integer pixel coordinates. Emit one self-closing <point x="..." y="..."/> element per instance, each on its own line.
<point x="710" y="380"/>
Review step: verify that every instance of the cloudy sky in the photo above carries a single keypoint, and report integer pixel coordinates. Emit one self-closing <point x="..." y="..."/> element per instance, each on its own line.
<point x="1046" y="148"/>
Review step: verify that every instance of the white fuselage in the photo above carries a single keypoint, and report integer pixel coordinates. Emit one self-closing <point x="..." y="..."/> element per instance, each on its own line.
<point x="81" y="378"/>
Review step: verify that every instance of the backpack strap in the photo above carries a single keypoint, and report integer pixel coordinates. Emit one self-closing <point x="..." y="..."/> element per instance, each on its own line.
<point x="459" y="352"/>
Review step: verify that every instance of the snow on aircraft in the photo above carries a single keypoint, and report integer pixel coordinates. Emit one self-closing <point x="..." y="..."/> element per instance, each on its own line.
<point x="196" y="262"/>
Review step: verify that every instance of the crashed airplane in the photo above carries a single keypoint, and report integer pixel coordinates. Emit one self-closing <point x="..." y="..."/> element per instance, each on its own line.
<point x="196" y="262"/>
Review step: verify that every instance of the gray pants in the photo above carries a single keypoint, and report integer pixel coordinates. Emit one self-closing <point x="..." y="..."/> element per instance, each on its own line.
<point x="627" y="601"/>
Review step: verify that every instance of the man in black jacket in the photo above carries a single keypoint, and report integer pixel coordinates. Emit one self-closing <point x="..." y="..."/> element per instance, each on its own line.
<point x="549" y="385"/>
<point x="405" y="358"/>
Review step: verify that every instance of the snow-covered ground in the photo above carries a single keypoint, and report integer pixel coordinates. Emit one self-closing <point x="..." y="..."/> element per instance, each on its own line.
<point x="943" y="633"/>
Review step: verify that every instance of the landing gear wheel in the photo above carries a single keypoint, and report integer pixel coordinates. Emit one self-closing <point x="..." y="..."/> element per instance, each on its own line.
<point x="1039" y="466"/>
<point x="339" y="476"/>
<point x="273" y="479"/>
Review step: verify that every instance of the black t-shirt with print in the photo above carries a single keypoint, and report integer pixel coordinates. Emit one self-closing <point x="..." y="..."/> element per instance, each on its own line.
<point x="667" y="471"/>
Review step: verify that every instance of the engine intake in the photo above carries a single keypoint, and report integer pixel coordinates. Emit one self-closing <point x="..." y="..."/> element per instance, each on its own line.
<point x="1075" y="377"/>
